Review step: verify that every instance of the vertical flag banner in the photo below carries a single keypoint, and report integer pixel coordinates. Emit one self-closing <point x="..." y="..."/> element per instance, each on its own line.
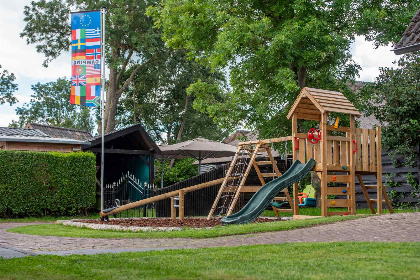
<point x="86" y="58"/>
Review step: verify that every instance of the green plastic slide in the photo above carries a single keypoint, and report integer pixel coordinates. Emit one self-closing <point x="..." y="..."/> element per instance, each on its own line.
<point x="261" y="199"/>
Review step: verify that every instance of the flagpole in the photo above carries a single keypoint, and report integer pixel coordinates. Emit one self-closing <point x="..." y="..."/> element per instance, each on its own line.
<point x="102" y="106"/>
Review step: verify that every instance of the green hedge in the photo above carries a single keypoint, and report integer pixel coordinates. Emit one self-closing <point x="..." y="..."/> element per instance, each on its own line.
<point x="46" y="183"/>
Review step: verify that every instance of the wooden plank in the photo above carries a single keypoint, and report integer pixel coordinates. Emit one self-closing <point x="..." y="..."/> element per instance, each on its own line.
<point x="306" y="111"/>
<point x="295" y="157"/>
<point x="278" y="198"/>
<point x="324" y="91"/>
<point x="372" y="147"/>
<point x="358" y="149"/>
<point x="244" y="189"/>
<point x="329" y="152"/>
<point x="309" y="106"/>
<point x="266" y="141"/>
<point x="324" y="181"/>
<point x="343" y="157"/>
<point x="379" y="168"/>
<point x="265" y="162"/>
<point x="317" y="152"/>
<point x="309" y="153"/>
<point x="339" y="110"/>
<point x="300" y="135"/>
<point x="387" y="200"/>
<point x="173" y="210"/>
<point x="341" y="128"/>
<point x="336" y="152"/>
<point x="365" y="193"/>
<point x="338" y="138"/>
<point x="338" y="213"/>
<point x="329" y="94"/>
<point x="339" y="178"/>
<point x="337" y="190"/>
<point x="257" y="169"/>
<point x="328" y="99"/>
<point x="352" y="183"/>
<point x="302" y="150"/>
<point x="181" y="204"/>
<point x="338" y="203"/>
<point x="273" y="162"/>
<point x="268" y="175"/>
<point x="330" y="167"/>
<point x="365" y="149"/>
<point x="308" y="117"/>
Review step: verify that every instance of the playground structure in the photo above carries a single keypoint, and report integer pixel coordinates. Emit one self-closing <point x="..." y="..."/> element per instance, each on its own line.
<point x="337" y="154"/>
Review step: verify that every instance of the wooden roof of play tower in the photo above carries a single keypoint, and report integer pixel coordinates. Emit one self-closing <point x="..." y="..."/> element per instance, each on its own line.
<point x="312" y="102"/>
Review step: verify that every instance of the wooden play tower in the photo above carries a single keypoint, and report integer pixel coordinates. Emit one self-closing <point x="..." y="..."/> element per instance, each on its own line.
<point x="340" y="159"/>
<point x="341" y="153"/>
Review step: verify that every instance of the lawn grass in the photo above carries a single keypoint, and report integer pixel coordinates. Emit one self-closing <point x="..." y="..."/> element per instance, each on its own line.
<point x="69" y="231"/>
<point x="48" y="218"/>
<point x="337" y="260"/>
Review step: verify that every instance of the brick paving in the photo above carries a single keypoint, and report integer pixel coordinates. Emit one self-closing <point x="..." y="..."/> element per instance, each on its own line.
<point x="402" y="227"/>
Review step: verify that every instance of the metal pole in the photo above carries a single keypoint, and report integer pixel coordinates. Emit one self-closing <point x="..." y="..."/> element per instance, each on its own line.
<point x="102" y="106"/>
<point x="161" y="175"/>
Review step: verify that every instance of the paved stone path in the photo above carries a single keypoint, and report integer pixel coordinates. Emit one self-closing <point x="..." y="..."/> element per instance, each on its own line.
<point x="402" y="227"/>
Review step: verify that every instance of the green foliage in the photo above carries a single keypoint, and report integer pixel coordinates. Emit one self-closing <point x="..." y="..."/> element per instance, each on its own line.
<point x="394" y="99"/>
<point x="182" y="170"/>
<point x="270" y="50"/>
<point x="50" y="105"/>
<point x="39" y="183"/>
<point x="7" y="87"/>
<point x="159" y="100"/>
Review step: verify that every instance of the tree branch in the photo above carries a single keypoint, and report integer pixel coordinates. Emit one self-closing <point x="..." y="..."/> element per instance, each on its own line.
<point x="124" y="65"/>
<point x="128" y="81"/>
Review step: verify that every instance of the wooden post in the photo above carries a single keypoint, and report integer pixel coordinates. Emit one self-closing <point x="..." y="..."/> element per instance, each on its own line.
<point x="324" y="158"/>
<point x="173" y="210"/>
<point x="352" y="167"/>
<point x="379" y="169"/>
<point x="181" y="204"/>
<point x="295" y="157"/>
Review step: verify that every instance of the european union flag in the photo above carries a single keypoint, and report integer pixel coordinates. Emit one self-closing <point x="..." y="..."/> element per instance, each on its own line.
<point x="86" y="20"/>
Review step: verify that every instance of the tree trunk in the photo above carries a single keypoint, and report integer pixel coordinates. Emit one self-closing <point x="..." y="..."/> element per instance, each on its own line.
<point x="302" y="77"/>
<point x="181" y="128"/>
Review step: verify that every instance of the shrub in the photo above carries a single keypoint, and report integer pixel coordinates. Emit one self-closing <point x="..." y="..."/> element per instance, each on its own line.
<point x="46" y="183"/>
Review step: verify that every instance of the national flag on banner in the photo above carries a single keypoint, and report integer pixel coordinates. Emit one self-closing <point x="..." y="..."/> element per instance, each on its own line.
<point x="93" y="53"/>
<point x="93" y="43"/>
<point x="86" y="49"/>
<point x="93" y="69"/>
<point x="93" y="80"/>
<point x="93" y="33"/>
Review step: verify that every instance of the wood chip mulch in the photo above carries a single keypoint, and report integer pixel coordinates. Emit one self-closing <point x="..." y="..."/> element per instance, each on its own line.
<point x="166" y="222"/>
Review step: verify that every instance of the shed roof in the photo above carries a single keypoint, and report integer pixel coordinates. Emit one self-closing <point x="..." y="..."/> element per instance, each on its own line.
<point x="61" y="132"/>
<point x="312" y="102"/>
<point x="133" y="137"/>
<point x="410" y="41"/>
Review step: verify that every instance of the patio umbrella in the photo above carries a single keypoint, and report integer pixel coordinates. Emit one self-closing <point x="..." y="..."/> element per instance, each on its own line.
<point x="198" y="148"/>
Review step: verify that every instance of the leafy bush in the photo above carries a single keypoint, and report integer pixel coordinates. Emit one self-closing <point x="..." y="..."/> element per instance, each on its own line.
<point x="52" y="183"/>
<point x="182" y="170"/>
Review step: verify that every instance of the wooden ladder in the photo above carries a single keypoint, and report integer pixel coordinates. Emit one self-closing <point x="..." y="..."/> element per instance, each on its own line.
<point x="370" y="201"/>
<point x="235" y="190"/>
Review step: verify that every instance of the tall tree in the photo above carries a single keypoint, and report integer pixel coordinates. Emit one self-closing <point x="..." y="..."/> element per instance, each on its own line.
<point x="271" y="49"/>
<point x="159" y="99"/>
<point x="131" y="41"/>
<point x="7" y="87"/>
<point x="50" y="105"/>
<point x="394" y="99"/>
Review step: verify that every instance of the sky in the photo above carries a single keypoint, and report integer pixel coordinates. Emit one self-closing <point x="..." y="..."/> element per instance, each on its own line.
<point x="23" y="60"/>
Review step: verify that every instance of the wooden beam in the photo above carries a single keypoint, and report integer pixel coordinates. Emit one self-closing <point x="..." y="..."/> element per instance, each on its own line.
<point x="181" y="204"/>
<point x="164" y="196"/>
<point x="379" y="168"/>
<point x="338" y="203"/>
<point x="341" y="128"/>
<point x="352" y="183"/>
<point x="324" y="179"/>
<point x="295" y="157"/>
